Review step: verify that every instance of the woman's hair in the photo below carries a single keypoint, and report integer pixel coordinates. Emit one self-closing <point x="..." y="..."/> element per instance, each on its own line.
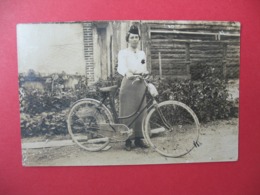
<point x="128" y="35"/>
<point x="133" y="30"/>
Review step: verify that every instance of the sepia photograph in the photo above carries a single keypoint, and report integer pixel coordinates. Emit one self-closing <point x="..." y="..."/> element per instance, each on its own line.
<point x="132" y="92"/>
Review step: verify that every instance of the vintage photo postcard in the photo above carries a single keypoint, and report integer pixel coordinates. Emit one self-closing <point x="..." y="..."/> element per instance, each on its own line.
<point x="128" y="92"/>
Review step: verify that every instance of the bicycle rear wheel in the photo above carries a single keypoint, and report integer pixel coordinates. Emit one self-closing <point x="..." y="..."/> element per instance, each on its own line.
<point x="84" y="124"/>
<point x="171" y="128"/>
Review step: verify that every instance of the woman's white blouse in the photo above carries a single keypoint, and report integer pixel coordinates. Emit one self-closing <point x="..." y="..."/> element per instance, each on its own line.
<point x="130" y="61"/>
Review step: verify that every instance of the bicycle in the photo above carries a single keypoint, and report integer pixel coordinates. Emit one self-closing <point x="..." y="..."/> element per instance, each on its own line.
<point x="171" y="128"/>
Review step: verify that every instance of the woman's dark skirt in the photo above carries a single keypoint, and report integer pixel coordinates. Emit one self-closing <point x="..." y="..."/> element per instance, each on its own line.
<point x="130" y="98"/>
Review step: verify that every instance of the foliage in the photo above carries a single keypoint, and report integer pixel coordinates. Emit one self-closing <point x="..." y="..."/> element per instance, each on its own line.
<point x="208" y="98"/>
<point x="45" y="123"/>
<point x="36" y="102"/>
<point x="43" y="112"/>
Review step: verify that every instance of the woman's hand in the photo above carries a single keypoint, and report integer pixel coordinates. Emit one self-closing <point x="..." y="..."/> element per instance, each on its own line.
<point x="130" y="75"/>
<point x="145" y="73"/>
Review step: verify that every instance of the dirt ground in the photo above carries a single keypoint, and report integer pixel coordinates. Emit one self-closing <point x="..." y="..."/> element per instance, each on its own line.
<point x="219" y="142"/>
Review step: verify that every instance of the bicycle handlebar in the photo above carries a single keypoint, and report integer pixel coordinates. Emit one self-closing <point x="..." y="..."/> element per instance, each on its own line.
<point x="140" y="76"/>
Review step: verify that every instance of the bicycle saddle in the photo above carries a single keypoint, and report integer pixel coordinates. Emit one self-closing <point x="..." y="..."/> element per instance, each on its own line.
<point x="108" y="89"/>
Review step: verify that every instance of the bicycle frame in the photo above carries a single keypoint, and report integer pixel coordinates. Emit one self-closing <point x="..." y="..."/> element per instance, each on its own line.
<point x="157" y="122"/>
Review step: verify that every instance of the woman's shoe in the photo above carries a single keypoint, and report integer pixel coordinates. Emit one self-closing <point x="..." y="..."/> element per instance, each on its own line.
<point x="139" y="143"/>
<point x="128" y="145"/>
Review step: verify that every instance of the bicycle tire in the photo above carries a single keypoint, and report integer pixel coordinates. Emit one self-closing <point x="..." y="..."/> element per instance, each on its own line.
<point x="83" y="122"/>
<point x="181" y="133"/>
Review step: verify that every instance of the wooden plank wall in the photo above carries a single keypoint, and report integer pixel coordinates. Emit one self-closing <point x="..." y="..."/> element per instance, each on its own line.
<point x="185" y="47"/>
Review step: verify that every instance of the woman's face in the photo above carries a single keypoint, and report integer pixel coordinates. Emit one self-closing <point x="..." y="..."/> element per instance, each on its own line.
<point x="133" y="40"/>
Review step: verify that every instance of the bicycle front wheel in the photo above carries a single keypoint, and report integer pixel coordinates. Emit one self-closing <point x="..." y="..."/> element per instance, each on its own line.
<point x="171" y="128"/>
<point x="85" y="121"/>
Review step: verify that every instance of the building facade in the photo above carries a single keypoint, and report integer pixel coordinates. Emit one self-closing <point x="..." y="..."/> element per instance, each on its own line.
<point x="177" y="49"/>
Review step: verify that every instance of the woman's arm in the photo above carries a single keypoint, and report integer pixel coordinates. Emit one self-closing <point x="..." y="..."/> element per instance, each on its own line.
<point x="122" y="68"/>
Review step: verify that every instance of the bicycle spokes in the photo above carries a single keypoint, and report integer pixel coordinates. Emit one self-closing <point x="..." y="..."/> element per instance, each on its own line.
<point x="163" y="119"/>
<point x="84" y="124"/>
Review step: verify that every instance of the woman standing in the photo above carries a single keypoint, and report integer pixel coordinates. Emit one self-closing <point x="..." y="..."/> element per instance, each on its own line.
<point x="132" y="61"/>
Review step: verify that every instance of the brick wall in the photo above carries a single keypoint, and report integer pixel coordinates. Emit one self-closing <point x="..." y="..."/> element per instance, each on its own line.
<point x="88" y="50"/>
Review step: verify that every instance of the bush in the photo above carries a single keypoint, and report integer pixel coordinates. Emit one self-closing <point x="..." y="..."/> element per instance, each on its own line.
<point x="45" y="123"/>
<point x="46" y="113"/>
<point x="36" y="102"/>
<point x="208" y="98"/>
